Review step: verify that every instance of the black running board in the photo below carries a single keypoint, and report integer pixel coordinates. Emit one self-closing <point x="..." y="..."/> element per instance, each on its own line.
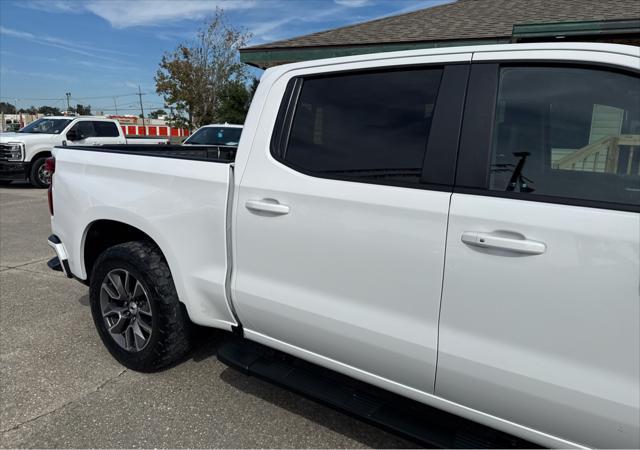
<point x="54" y="264"/>
<point x="411" y="420"/>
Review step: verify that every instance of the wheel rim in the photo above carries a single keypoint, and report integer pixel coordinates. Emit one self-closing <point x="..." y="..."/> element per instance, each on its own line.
<point x="126" y="310"/>
<point x="44" y="175"/>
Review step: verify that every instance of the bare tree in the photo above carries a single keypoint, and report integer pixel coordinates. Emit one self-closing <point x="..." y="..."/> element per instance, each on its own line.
<point x="195" y="74"/>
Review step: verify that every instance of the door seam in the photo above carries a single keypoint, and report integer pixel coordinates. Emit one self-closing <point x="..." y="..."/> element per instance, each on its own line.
<point x="446" y="235"/>
<point x="444" y="265"/>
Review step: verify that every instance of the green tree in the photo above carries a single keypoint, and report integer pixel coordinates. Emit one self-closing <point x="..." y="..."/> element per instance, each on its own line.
<point x="7" y="108"/>
<point x="83" y="110"/>
<point x="157" y="113"/>
<point x="178" y="121"/>
<point x="235" y="100"/>
<point x="194" y="75"/>
<point x="29" y="110"/>
<point x="49" y="111"/>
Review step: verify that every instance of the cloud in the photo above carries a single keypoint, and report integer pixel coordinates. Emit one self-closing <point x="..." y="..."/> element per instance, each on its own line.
<point x="352" y="3"/>
<point x="128" y="13"/>
<point x="52" y="41"/>
<point x="52" y="76"/>
<point x="66" y="6"/>
<point x="268" y="29"/>
<point x="125" y="13"/>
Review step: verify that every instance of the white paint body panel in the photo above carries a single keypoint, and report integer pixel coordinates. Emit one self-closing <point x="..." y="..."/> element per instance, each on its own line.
<point x="352" y="263"/>
<point x="550" y="341"/>
<point x="180" y="204"/>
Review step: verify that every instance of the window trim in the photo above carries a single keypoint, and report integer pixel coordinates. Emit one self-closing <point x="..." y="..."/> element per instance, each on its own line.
<point x="442" y="149"/>
<point x="474" y="154"/>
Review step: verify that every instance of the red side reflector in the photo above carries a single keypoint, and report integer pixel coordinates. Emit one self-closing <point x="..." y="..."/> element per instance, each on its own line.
<point x="50" y="164"/>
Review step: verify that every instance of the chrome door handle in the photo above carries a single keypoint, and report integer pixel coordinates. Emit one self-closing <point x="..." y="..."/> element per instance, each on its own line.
<point x="267" y="205"/>
<point x="512" y="244"/>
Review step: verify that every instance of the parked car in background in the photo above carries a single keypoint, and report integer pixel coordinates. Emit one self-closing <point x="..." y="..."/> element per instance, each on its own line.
<point x="216" y="134"/>
<point x="458" y="226"/>
<point x="23" y="153"/>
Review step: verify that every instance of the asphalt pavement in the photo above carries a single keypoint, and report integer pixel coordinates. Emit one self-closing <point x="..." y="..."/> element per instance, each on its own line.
<point x="59" y="387"/>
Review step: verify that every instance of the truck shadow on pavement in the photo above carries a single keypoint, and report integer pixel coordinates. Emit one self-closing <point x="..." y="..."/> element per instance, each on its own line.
<point x="21" y="185"/>
<point x="333" y="420"/>
<point x="207" y="341"/>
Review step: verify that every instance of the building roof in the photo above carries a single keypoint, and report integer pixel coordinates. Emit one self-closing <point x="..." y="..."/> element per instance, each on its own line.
<point x="464" y="21"/>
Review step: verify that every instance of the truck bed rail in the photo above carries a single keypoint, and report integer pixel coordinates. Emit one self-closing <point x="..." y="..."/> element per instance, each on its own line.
<point x="213" y="153"/>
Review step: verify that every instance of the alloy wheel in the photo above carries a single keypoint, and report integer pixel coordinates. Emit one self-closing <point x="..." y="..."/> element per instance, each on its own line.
<point x="44" y="175"/>
<point x="126" y="310"/>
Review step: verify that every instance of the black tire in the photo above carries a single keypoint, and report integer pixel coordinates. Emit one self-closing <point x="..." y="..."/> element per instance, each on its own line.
<point x="171" y="329"/>
<point x="36" y="177"/>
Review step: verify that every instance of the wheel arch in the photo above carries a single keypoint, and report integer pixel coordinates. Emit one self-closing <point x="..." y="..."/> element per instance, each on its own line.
<point x="102" y="234"/>
<point x="38" y="155"/>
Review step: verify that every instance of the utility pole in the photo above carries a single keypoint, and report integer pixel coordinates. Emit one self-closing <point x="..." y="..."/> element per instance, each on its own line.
<point x="115" y="104"/>
<point x="68" y="95"/>
<point x="170" y="109"/>
<point x="141" y="108"/>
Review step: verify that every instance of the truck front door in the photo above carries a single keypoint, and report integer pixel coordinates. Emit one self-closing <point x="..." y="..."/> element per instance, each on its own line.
<point x="340" y="237"/>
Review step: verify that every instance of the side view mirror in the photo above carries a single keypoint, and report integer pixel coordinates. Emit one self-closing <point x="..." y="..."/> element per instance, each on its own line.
<point x="74" y="135"/>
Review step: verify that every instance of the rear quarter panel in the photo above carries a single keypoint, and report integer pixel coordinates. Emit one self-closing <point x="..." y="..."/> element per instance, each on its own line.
<point x="179" y="203"/>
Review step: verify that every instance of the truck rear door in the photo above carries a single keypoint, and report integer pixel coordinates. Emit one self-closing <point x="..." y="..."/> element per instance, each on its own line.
<point x="342" y="217"/>
<point x="540" y="309"/>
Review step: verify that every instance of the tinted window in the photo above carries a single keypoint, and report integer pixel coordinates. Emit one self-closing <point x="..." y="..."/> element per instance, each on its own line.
<point x="46" y="126"/>
<point x="568" y="132"/>
<point x="216" y="136"/>
<point x="366" y="126"/>
<point x="106" y="129"/>
<point x="85" y="129"/>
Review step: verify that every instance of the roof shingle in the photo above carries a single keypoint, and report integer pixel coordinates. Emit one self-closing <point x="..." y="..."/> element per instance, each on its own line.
<point x="463" y="19"/>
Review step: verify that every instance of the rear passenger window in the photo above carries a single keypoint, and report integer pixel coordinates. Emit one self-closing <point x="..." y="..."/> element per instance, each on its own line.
<point x="568" y="132"/>
<point x="367" y="126"/>
<point x="106" y="129"/>
<point x="85" y="129"/>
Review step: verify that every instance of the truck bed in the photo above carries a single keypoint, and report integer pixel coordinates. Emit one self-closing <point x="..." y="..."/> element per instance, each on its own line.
<point x="216" y="153"/>
<point x="178" y="196"/>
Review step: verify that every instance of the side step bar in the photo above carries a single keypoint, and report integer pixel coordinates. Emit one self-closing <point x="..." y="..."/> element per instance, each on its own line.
<point x="411" y="420"/>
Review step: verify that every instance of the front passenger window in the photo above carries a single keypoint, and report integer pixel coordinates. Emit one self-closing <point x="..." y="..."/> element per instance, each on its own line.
<point x="568" y="132"/>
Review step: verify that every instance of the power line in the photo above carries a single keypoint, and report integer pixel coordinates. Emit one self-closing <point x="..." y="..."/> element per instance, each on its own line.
<point x="21" y="98"/>
<point x="107" y="96"/>
<point x="97" y="97"/>
<point x="119" y="109"/>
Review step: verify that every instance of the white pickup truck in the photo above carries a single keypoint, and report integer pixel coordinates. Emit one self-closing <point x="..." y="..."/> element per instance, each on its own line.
<point x="456" y="226"/>
<point x="22" y="154"/>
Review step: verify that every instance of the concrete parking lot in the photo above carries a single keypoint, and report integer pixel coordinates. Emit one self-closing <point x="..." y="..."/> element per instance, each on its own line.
<point x="59" y="387"/>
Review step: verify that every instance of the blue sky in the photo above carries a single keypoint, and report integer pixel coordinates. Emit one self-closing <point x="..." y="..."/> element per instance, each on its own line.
<point x="97" y="49"/>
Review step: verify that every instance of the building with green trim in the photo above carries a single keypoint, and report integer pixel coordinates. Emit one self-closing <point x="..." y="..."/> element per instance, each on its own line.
<point x="464" y="22"/>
